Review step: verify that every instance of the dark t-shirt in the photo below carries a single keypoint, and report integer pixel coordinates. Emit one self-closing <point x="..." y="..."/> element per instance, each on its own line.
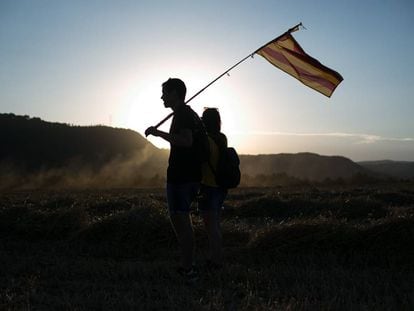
<point x="183" y="164"/>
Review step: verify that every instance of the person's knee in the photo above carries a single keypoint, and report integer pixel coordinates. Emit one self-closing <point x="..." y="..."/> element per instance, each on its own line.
<point x="180" y="218"/>
<point x="213" y="228"/>
<point x="182" y="224"/>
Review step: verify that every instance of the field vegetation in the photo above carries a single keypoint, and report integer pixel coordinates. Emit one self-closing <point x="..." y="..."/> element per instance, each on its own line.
<point x="286" y="248"/>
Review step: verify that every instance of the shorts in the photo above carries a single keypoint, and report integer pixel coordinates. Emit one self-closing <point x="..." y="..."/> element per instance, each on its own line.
<point x="212" y="199"/>
<point x="180" y="197"/>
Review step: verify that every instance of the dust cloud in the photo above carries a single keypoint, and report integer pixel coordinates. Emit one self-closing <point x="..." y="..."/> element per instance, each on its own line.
<point x="143" y="168"/>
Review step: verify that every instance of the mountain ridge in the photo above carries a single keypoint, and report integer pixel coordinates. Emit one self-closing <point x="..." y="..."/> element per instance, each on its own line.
<point x="398" y="169"/>
<point x="37" y="153"/>
<point x="41" y="153"/>
<point x="303" y="165"/>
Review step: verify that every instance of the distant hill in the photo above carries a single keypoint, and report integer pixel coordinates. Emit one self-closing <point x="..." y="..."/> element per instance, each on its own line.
<point x="396" y="169"/>
<point x="35" y="154"/>
<point x="60" y="153"/>
<point x="308" y="166"/>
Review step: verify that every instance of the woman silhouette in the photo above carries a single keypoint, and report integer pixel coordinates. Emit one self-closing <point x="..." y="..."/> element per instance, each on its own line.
<point x="212" y="196"/>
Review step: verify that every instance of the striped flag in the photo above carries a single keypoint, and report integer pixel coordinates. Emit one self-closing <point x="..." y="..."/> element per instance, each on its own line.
<point x="286" y="54"/>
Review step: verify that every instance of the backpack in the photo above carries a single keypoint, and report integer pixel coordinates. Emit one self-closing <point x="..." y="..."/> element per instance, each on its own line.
<point x="228" y="170"/>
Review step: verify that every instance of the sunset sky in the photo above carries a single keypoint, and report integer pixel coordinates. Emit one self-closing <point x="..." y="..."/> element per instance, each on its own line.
<point x="88" y="62"/>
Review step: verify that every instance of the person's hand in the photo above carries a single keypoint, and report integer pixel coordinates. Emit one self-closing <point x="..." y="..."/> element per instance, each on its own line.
<point x="152" y="130"/>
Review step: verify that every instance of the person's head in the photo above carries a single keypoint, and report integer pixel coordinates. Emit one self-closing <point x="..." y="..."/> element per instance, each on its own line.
<point x="173" y="92"/>
<point x="211" y="119"/>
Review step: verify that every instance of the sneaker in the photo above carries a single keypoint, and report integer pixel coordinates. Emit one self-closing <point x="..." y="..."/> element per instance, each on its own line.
<point x="191" y="275"/>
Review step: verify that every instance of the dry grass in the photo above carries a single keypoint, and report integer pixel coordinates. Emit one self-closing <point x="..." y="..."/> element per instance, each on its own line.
<point x="285" y="249"/>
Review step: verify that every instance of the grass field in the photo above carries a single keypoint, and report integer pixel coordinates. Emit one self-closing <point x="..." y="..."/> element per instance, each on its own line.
<point x="285" y="249"/>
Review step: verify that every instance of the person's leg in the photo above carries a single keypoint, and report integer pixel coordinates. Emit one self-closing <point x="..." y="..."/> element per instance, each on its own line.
<point x="210" y="206"/>
<point x="184" y="231"/>
<point x="212" y="223"/>
<point x="180" y="198"/>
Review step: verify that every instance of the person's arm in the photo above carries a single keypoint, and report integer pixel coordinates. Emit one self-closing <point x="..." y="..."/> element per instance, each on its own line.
<point x="184" y="138"/>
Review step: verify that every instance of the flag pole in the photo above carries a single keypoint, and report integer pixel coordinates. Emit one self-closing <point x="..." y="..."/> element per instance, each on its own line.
<point x="294" y="28"/>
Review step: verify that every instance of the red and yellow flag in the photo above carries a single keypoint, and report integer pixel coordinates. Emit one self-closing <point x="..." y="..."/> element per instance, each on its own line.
<point x="286" y="54"/>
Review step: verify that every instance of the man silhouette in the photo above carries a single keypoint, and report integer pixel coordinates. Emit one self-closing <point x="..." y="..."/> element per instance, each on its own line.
<point x="184" y="169"/>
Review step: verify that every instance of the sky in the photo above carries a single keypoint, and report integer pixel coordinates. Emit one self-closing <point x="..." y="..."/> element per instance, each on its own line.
<point x="103" y="62"/>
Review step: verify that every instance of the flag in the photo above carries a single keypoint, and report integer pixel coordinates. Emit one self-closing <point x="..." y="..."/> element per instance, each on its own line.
<point x="286" y="54"/>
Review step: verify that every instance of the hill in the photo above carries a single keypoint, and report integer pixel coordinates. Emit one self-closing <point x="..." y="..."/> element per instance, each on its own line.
<point x="396" y="169"/>
<point x="40" y="153"/>
<point x="307" y="166"/>
<point x="37" y="154"/>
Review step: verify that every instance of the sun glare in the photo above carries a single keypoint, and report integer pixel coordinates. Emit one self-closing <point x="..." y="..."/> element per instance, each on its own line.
<point x="141" y="105"/>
